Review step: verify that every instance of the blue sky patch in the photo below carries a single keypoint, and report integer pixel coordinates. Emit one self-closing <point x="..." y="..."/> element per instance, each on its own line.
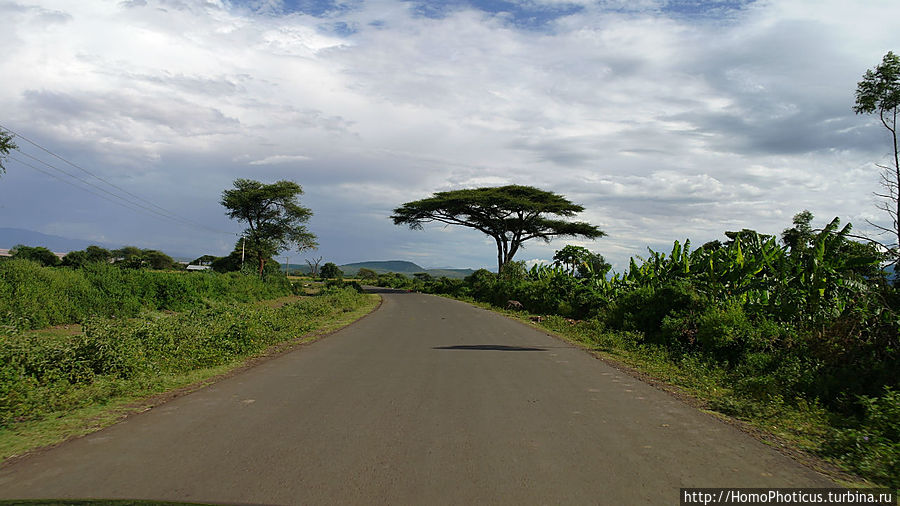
<point x="704" y="8"/>
<point x="316" y="8"/>
<point x="520" y="14"/>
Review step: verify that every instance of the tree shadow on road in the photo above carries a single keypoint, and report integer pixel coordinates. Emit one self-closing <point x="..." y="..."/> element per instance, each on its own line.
<point x="487" y="347"/>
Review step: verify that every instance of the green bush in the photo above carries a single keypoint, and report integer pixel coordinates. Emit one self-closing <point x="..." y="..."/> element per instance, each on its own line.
<point x="340" y="283"/>
<point x="39" y="375"/>
<point x="644" y="308"/>
<point x="32" y="296"/>
<point x="871" y="442"/>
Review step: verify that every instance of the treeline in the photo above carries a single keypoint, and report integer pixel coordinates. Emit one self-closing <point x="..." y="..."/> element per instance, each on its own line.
<point x="35" y="296"/>
<point x="128" y="257"/>
<point x="810" y="320"/>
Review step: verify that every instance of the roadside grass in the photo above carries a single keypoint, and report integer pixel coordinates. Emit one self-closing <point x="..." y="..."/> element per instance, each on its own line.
<point x="798" y="428"/>
<point x="155" y="357"/>
<point x="34" y="297"/>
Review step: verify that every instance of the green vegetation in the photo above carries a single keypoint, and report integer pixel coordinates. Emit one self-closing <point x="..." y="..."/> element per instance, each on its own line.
<point x="124" y="332"/>
<point x="41" y="373"/>
<point x="366" y="274"/>
<point x="331" y="271"/>
<point x="47" y="374"/>
<point x="33" y="296"/>
<point x="801" y="335"/>
<point x="129" y="257"/>
<point x="37" y="254"/>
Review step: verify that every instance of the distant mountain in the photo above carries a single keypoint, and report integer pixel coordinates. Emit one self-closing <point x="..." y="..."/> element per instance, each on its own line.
<point x="403" y="267"/>
<point x="399" y="266"/>
<point x="10" y="237"/>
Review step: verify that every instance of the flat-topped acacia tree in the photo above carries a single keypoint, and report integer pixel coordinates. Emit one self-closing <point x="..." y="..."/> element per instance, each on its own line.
<point x="510" y="215"/>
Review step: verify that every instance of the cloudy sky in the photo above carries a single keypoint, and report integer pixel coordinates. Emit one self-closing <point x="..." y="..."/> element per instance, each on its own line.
<point x="665" y="119"/>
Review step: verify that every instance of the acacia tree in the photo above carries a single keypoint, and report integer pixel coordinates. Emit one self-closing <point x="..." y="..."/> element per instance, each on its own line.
<point x="879" y="93"/>
<point x="275" y="219"/>
<point x="511" y="215"/>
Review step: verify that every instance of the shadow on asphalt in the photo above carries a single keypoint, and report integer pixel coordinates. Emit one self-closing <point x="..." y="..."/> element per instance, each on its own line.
<point x="488" y="347"/>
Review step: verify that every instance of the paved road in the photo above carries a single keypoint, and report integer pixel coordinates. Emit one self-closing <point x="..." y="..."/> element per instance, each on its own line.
<point x="426" y="401"/>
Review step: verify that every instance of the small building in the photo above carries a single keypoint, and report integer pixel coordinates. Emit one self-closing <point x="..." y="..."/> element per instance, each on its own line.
<point x="198" y="267"/>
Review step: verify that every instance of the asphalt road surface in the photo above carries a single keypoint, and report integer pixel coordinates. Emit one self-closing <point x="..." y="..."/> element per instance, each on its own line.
<point x="425" y="401"/>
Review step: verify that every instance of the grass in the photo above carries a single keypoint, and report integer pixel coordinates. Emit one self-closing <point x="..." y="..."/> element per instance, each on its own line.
<point x="87" y="407"/>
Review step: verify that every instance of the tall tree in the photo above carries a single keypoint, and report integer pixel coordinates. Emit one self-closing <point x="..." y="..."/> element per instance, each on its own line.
<point x="511" y="215"/>
<point x="6" y="145"/>
<point x="570" y="257"/>
<point x="799" y="237"/>
<point x="275" y="219"/>
<point x="879" y="93"/>
<point x="583" y="261"/>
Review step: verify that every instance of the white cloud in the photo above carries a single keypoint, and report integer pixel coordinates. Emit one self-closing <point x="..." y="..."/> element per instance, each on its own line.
<point x="278" y="159"/>
<point x="663" y="125"/>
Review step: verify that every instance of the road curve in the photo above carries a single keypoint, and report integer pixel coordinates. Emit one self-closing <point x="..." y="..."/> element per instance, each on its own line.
<point x="426" y="401"/>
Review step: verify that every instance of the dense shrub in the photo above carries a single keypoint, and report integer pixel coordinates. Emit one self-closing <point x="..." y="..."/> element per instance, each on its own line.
<point x="871" y="441"/>
<point x="32" y="296"/>
<point x="43" y="374"/>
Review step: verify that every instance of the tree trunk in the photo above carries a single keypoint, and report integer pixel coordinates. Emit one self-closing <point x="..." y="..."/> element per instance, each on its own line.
<point x="896" y="176"/>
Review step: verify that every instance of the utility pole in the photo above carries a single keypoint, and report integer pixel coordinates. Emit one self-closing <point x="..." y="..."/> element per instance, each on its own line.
<point x="242" y="254"/>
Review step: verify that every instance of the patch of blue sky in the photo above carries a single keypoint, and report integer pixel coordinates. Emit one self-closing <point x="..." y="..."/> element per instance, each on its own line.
<point x="338" y="28"/>
<point x="315" y="8"/>
<point x="525" y="15"/>
<point x="709" y="9"/>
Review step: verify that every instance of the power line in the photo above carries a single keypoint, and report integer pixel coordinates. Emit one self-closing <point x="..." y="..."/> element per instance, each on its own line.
<point x="42" y="171"/>
<point x="125" y="202"/>
<point x="73" y="176"/>
<point x="130" y="205"/>
<point x="26" y="139"/>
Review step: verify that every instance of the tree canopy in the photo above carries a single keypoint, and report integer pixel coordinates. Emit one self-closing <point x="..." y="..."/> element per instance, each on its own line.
<point x="511" y="215"/>
<point x="38" y="254"/>
<point x="331" y="271"/>
<point x="273" y="214"/>
<point x="366" y="274"/>
<point x="578" y="259"/>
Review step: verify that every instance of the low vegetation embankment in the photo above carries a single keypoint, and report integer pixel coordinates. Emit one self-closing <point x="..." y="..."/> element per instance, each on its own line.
<point x="33" y="297"/>
<point x="117" y="355"/>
